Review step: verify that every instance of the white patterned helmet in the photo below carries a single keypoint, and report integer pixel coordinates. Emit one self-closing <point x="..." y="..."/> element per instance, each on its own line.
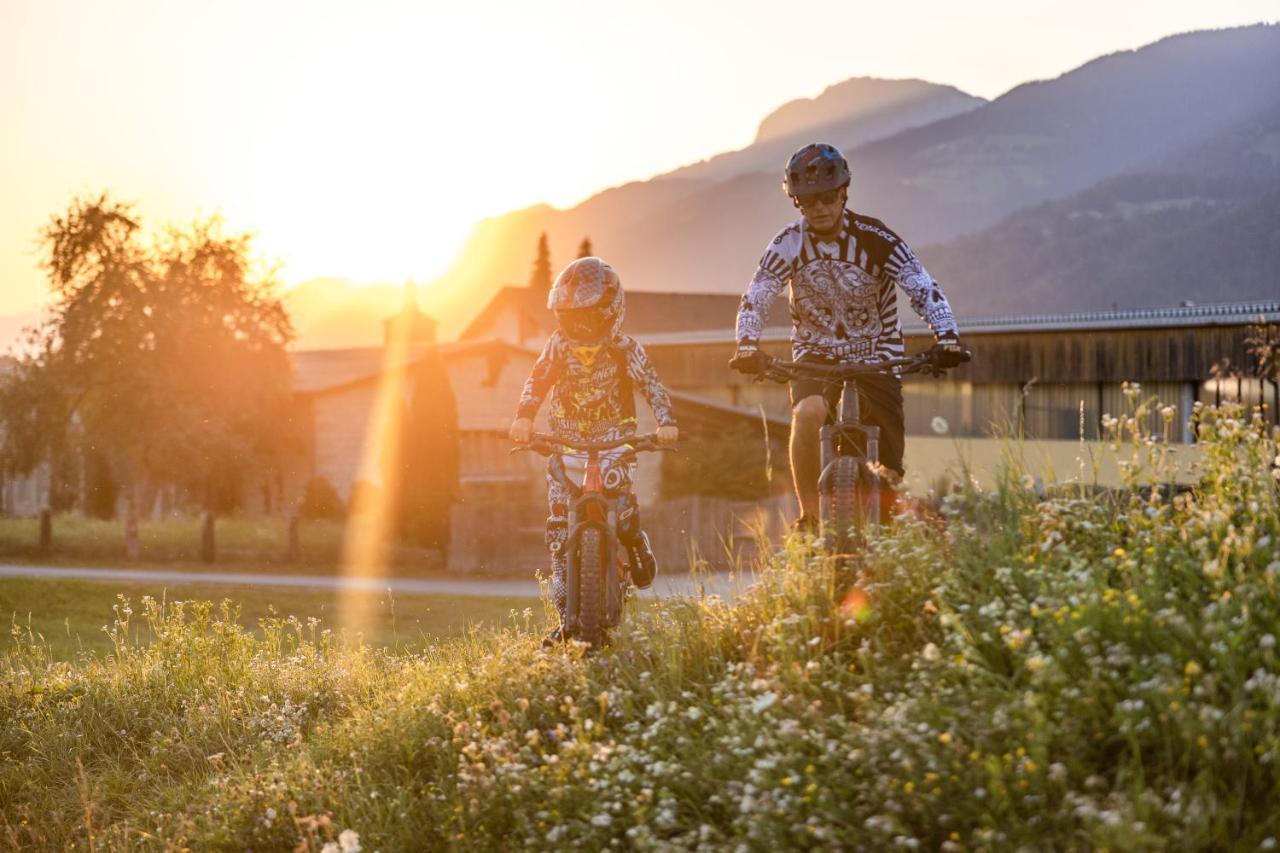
<point x="588" y="301"/>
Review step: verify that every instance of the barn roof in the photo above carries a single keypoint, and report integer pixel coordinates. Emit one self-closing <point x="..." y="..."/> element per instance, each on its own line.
<point x="1183" y="316"/>
<point x="648" y="311"/>
<point x="316" y="371"/>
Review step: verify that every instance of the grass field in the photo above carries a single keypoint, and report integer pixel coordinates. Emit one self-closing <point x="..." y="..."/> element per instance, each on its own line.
<point x="1020" y="673"/>
<point x="250" y="544"/>
<point x="71" y="616"/>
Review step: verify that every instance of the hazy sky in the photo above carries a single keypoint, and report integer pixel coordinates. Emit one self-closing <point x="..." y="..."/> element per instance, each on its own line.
<point x="363" y="139"/>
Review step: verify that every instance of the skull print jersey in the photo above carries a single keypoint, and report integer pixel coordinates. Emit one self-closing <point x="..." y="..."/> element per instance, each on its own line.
<point x="843" y="304"/>
<point x="593" y="388"/>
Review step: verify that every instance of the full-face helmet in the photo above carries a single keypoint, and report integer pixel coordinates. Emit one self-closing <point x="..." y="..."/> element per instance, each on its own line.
<point x="588" y="301"/>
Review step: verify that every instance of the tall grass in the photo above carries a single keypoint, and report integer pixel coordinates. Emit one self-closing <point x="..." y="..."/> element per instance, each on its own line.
<point x="1065" y="673"/>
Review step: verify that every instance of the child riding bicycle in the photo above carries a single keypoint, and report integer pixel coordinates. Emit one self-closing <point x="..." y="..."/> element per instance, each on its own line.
<point x="592" y="371"/>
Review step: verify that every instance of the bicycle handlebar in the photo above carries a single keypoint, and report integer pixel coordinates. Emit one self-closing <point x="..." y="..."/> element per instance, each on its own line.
<point x="783" y="371"/>
<point x="548" y="445"/>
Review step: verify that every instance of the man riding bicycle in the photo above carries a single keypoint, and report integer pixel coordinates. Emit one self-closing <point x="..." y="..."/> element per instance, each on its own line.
<point x="841" y="267"/>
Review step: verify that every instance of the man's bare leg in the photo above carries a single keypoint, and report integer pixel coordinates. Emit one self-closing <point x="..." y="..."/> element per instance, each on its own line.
<point x="807" y="418"/>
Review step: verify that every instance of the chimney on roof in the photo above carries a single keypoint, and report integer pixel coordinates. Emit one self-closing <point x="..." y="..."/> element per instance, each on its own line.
<point x="411" y="323"/>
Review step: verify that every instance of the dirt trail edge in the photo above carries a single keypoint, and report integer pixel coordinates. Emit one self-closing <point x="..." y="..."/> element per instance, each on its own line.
<point x="724" y="585"/>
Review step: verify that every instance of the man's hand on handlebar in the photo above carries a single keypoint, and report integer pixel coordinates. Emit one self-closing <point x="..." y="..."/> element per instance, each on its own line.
<point x="947" y="353"/>
<point x="522" y="430"/>
<point x="667" y="435"/>
<point x="749" y="359"/>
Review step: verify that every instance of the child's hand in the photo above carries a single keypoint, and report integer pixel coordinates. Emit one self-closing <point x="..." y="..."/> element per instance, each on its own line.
<point x="522" y="430"/>
<point x="668" y="434"/>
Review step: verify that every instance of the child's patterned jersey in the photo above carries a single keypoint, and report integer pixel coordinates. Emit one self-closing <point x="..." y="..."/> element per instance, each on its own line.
<point x="593" y="388"/>
<point x="843" y="304"/>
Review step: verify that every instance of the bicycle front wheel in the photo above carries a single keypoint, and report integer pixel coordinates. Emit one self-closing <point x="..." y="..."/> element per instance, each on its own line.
<point x="847" y="502"/>
<point x="591" y="586"/>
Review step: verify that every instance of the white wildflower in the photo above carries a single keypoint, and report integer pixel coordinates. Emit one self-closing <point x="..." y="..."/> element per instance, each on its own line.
<point x="602" y="820"/>
<point x="693" y="713"/>
<point x="331" y="847"/>
<point x="1268" y="641"/>
<point x="1212" y="569"/>
<point x="349" y="841"/>
<point x="930" y="652"/>
<point x="764" y="702"/>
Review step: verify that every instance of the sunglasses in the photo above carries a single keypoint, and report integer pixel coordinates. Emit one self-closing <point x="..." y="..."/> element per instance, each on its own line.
<point x="828" y="197"/>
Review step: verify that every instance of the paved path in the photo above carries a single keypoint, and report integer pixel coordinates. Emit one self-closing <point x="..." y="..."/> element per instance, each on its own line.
<point x="666" y="585"/>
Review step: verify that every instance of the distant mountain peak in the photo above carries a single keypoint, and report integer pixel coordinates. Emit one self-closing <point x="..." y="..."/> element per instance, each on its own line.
<point x="860" y="95"/>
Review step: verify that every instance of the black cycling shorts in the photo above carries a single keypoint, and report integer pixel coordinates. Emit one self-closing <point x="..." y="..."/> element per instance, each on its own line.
<point x="879" y="404"/>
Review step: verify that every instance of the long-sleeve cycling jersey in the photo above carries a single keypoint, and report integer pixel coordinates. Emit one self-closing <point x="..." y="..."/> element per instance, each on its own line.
<point x="593" y="388"/>
<point x="843" y="304"/>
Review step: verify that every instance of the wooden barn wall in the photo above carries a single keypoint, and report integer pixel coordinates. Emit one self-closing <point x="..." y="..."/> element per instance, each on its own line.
<point x="1143" y="355"/>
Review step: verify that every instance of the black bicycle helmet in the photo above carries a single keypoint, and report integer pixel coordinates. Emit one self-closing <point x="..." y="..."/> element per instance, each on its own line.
<point x="815" y="168"/>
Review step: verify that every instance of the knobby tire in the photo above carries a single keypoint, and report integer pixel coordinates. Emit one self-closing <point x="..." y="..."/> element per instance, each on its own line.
<point x="591" y="592"/>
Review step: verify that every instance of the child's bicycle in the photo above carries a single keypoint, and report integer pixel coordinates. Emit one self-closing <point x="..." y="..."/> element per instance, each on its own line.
<point x="596" y="574"/>
<point x="849" y="486"/>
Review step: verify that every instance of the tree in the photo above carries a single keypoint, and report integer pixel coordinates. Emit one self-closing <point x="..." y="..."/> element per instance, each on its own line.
<point x="584" y="248"/>
<point x="428" y="481"/>
<point x="168" y="359"/>
<point x="541" y="277"/>
<point x="1263" y="346"/>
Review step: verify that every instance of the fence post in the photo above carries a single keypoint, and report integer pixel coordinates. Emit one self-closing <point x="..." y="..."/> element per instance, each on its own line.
<point x="207" y="552"/>
<point x="46" y="531"/>
<point x="293" y="552"/>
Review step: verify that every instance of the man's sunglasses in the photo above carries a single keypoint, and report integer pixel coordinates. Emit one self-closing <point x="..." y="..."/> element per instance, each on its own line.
<point x="828" y="197"/>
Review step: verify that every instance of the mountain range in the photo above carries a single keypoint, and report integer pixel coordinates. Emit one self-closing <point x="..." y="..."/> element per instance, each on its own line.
<point x="1140" y="178"/>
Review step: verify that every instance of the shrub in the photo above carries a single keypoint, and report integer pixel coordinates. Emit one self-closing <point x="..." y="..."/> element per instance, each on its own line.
<point x="320" y="500"/>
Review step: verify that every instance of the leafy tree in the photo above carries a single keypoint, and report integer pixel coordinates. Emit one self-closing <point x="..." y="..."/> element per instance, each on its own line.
<point x="321" y="500"/>
<point x="1263" y="346"/>
<point x="584" y="248"/>
<point x="429" y="456"/>
<point x="166" y="358"/>
<point x="541" y="278"/>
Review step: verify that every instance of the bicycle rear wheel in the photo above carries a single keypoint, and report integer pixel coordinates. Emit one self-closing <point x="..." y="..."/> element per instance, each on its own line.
<point x="591" y="586"/>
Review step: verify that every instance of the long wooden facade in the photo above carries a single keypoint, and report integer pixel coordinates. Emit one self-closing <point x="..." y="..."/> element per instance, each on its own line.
<point x="1051" y="376"/>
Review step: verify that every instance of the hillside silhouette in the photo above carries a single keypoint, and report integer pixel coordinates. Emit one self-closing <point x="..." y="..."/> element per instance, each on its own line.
<point x="979" y="191"/>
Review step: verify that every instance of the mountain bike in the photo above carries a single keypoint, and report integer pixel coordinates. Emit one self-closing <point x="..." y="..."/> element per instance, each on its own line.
<point x="849" y="486"/>
<point x="596" y="573"/>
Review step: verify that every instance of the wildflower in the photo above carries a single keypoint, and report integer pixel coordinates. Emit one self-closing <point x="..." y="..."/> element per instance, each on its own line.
<point x="693" y="713"/>
<point x="1036" y="663"/>
<point x="764" y="701"/>
<point x="1212" y="569"/>
<point x="1192" y="669"/>
<point x="602" y="820"/>
<point x="930" y="652"/>
<point x="1268" y="641"/>
<point x="1058" y="771"/>
<point x="944" y="738"/>
<point x="349" y="841"/>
